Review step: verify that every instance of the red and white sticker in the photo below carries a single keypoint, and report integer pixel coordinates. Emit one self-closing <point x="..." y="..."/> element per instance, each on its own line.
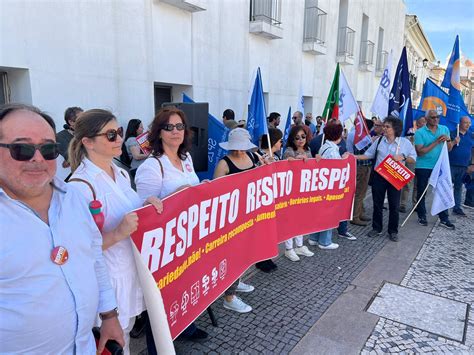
<point x="188" y="167"/>
<point x="59" y="255"/>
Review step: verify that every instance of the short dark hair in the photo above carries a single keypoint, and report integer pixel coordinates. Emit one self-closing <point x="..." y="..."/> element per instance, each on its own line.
<point x="369" y="123"/>
<point x="71" y="113"/>
<point x="273" y="116"/>
<point x="291" y="137"/>
<point x="275" y="135"/>
<point x="6" y="109"/>
<point x="333" y="131"/>
<point x="161" y="119"/>
<point x="229" y="114"/>
<point x="396" y="124"/>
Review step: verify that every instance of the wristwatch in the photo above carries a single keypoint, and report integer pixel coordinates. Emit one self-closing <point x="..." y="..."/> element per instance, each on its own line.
<point x="404" y="157"/>
<point x="109" y="314"/>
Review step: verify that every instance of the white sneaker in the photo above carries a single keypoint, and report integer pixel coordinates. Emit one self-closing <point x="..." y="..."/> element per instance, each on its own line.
<point x="290" y="254"/>
<point x="237" y="305"/>
<point x="330" y="246"/>
<point x="303" y="250"/>
<point x="468" y="206"/>
<point x="348" y="236"/>
<point x="243" y="287"/>
<point x="312" y="242"/>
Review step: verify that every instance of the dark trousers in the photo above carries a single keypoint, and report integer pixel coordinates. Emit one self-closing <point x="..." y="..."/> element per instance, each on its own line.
<point x="422" y="179"/>
<point x="380" y="187"/>
<point x="150" y="341"/>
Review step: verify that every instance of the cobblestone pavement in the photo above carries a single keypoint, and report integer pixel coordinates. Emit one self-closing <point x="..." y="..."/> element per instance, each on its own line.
<point x="444" y="267"/>
<point x="286" y="303"/>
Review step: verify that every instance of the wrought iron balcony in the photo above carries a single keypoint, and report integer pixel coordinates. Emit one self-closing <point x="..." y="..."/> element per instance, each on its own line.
<point x="366" y="59"/>
<point x="265" y="18"/>
<point x="382" y="57"/>
<point x="345" y="45"/>
<point x="314" y="37"/>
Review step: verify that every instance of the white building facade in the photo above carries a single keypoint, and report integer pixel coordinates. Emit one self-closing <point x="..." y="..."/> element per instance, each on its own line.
<point x="129" y="56"/>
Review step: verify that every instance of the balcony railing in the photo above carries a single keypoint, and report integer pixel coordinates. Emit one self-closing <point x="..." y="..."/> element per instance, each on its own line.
<point x="382" y="57"/>
<point x="367" y="53"/>
<point x="345" y="42"/>
<point x="314" y="25"/>
<point x="268" y="11"/>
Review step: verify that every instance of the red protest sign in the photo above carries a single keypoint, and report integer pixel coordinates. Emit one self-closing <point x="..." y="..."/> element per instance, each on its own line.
<point x="143" y="142"/>
<point x="397" y="174"/>
<point x="208" y="235"/>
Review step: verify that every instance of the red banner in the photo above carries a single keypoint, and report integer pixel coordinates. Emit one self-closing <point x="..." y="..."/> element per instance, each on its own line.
<point x="208" y="235"/>
<point x="397" y="174"/>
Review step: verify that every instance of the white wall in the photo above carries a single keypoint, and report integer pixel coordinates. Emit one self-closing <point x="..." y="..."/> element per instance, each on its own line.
<point x="110" y="53"/>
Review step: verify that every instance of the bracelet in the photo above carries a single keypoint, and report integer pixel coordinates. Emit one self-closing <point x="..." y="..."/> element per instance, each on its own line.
<point x="110" y="314"/>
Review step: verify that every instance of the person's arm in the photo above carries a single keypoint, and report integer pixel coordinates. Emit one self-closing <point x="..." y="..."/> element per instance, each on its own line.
<point x="369" y="153"/>
<point x="137" y="153"/>
<point x="222" y="169"/>
<point x="149" y="179"/>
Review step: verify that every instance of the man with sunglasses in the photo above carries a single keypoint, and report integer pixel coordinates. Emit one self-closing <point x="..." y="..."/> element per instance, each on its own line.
<point x="298" y="121"/>
<point x="53" y="279"/>
<point x="429" y="141"/>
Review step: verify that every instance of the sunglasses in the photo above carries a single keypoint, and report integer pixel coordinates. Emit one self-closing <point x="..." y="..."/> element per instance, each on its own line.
<point x="112" y="134"/>
<point x="25" y="151"/>
<point x="169" y="127"/>
<point x="294" y="118"/>
<point x="300" y="138"/>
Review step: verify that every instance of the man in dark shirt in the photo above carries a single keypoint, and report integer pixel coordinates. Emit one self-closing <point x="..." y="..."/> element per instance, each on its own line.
<point x="65" y="136"/>
<point x="459" y="160"/>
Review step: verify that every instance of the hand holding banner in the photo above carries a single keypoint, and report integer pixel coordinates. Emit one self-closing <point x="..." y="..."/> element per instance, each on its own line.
<point x="398" y="175"/>
<point x="209" y="234"/>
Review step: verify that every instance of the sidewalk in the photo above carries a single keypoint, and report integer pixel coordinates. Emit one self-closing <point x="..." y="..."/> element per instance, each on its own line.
<point x="318" y="305"/>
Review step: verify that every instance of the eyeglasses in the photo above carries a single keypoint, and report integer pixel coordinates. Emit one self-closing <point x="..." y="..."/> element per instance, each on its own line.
<point x="25" y="151"/>
<point x="378" y="125"/>
<point x="434" y="117"/>
<point x="112" y="134"/>
<point x="294" y="118"/>
<point x="300" y="138"/>
<point x="169" y="127"/>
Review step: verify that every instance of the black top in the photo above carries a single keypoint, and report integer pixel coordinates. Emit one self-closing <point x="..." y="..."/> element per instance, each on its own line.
<point x="63" y="138"/>
<point x="233" y="169"/>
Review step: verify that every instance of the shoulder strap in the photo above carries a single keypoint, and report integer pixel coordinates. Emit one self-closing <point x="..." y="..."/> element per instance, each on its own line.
<point x="377" y="149"/>
<point x="161" y="166"/>
<point x="87" y="183"/>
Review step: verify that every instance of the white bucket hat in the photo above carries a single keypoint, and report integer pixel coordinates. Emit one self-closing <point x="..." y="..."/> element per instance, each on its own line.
<point x="239" y="139"/>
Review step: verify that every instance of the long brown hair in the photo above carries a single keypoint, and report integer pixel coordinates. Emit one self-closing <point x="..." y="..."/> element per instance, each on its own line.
<point x="162" y="118"/>
<point x="88" y="125"/>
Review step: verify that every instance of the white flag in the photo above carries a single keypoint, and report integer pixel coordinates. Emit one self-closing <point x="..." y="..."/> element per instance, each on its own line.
<point x="300" y="105"/>
<point x="347" y="103"/>
<point x="380" y="104"/>
<point x="440" y="179"/>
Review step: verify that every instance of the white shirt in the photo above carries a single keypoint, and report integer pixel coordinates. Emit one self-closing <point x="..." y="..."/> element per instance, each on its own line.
<point x="151" y="182"/>
<point x="385" y="148"/>
<point x="330" y="150"/>
<point x="46" y="308"/>
<point x="117" y="198"/>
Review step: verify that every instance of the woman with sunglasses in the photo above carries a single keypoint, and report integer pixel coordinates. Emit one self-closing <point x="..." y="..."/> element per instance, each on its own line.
<point x="97" y="140"/>
<point x="131" y="152"/>
<point x="168" y="169"/>
<point x="297" y="148"/>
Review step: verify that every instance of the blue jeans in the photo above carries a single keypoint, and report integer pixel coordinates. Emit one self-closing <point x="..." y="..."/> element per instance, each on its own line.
<point x="422" y="179"/>
<point x="457" y="173"/>
<point x="324" y="238"/>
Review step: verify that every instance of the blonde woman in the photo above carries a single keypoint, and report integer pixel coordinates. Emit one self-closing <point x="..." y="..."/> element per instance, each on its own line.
<point x="97" y="140"/>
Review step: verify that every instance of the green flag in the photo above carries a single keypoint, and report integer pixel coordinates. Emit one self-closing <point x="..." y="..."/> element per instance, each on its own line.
<point x="331" y="110"/>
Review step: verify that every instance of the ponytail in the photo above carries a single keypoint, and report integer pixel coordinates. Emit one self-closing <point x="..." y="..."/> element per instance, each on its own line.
<point x="76" y="152"/>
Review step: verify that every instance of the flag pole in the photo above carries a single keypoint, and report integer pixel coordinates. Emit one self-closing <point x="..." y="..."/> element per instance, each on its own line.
<point x="416" y="205"/>
<point x="457" y="132"/>
<point x="269" y="144"/>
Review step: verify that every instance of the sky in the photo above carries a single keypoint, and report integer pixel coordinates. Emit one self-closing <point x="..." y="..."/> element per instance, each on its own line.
<point x="442" y="20"/>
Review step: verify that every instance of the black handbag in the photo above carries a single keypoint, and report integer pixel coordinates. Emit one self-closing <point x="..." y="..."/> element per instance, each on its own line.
<point x="372" y="172"/>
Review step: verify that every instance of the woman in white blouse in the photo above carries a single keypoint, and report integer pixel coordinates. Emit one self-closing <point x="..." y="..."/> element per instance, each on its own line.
<point x="97" y="140"/>
<point x="168" y="169"/>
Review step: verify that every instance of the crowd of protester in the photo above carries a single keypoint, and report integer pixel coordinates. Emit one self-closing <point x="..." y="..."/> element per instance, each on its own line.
<point x="91" y="142"/>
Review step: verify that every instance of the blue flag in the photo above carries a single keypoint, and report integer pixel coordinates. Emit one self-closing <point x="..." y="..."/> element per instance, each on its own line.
<point x="217" y="133"/>
<point x="399" y="104"/>
<point x="286" y="133"/>
<point x="452" y="82"/>
<point x="434" y="98"/>
<point x="257" y="118"/>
